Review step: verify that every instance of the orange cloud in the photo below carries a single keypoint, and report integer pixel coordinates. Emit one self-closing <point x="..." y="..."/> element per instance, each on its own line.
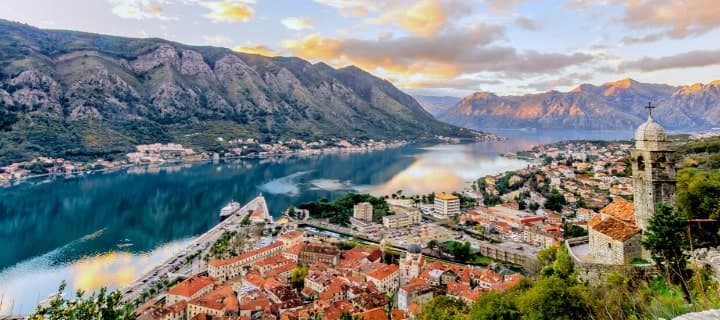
<point x="424" y="18"/>
<point x="297" y="23"/>
<point x="314" y="47"/>
<point x="258" y="49"/>
<point x="228" y="11"/>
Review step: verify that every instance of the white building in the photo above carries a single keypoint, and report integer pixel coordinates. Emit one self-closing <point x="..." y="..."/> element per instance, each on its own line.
<point x="447" y="205"/>
<point x="363" y="211"/>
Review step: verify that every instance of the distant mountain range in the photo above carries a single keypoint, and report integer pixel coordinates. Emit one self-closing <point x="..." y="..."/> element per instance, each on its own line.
<point x="615" y="105"/>
<point x="67" y="94"/>
<point x="437" y="105"/>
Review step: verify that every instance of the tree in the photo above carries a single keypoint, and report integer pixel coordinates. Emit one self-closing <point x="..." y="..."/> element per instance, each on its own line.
<point x="432" y="244"/>
<point x="666" y="240"/>
<point x="555" y="200"/>
<point x="461" y="251"/>
<point x="98" y="306"/>
<point x="444" y="308"/>
<point x="553" y="298"/>
<point x="494" y="306"/>
<point x="297" y="277"/>
<point x="390" y="299"/>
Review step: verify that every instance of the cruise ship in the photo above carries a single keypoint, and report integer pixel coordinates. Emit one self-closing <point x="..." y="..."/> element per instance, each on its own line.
<point x="229" y="209"/>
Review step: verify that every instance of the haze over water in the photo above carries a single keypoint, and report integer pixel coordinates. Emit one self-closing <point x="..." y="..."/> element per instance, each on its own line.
<point x="107" y="229"/>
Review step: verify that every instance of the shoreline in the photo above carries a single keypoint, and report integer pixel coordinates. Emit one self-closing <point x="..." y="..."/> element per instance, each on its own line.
<point x="52" y="176"/>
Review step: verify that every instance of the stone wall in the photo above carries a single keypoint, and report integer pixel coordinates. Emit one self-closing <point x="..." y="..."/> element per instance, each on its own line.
<point x="594" y="273"/>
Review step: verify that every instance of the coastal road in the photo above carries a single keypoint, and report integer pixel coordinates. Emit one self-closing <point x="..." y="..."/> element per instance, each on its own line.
<point x="174" y="266"/>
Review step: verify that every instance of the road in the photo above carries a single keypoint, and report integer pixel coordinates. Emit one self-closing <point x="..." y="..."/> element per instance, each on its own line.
<point x="172" y="267"/>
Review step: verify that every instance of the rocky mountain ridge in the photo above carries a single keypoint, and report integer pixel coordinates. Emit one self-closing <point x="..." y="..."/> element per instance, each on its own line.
<point x="65" y="93"/>
<point x="613" y="105"/>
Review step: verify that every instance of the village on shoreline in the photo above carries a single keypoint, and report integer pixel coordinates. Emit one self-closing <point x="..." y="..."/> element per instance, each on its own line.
<point x="160" y="154"/>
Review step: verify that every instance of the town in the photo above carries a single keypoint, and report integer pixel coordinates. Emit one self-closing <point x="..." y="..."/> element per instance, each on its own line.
<point x="393" y="254"/>
<point x="159" y="154"/>
<point x="304" y="271"/>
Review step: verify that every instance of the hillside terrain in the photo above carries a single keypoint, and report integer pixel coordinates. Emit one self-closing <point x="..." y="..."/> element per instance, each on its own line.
<point x="615" y="105"/>
<point x="72" y="94"/>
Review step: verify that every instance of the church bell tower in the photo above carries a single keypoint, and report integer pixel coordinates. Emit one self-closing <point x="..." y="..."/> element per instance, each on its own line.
<point x="653" y="167"/>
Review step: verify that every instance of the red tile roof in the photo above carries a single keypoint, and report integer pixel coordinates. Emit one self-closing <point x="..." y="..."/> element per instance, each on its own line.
<point x="383" y="272"/>
<point x="222" y="298"/>
<point x="616" y="229"/>
<point x="620" y="209"/>
<point x="379" y="314"/>
<point x="190" y="286"/>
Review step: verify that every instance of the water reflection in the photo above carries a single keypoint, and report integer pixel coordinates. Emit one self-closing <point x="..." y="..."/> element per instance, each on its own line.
<point x="104" y="230"/>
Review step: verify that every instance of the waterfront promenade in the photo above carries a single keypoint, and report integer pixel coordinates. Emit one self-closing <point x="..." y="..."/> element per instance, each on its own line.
<point x="174" y="267"/>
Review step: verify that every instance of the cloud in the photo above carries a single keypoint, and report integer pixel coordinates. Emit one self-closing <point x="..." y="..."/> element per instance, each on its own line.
<point x="352" y="7"/>
<point x="527" y="23"/>
<point x="258" y="49"/>
<point x="692" y="59"/>
<point x="228" y="11"/>
<point x="138" y="9"/>
<point x="454" y="52"/>
<point x="459" y="83"/>
<point x="644" y="39"/>
<point x="297" y="23"/>
<point x="503" y="5"/>
<point x="423" y="18"/>
<point x="679" y="19"/>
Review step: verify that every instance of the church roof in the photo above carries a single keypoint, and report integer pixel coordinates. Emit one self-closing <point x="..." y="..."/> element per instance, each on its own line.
<point x="650" y="131"/>
<point x="619" y="208"/>
<point x="616" y="229"/>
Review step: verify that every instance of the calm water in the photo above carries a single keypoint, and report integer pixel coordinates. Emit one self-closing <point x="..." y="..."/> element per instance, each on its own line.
<point x="107" y="229"/>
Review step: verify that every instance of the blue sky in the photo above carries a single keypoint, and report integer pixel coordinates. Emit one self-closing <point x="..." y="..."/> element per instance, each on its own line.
<point x="441" y="47"/>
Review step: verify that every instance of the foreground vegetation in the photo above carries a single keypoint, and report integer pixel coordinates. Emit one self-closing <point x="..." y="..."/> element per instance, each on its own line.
<point x="556" y="293"/>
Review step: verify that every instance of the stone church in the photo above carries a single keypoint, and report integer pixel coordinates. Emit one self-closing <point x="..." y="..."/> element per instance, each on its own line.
<point x="615" y="233"/>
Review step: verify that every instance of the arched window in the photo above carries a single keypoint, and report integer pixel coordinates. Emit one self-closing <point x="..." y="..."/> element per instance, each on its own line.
<point x="641" y="163"/>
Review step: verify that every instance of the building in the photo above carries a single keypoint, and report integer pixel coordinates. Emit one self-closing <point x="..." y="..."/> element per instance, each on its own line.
<point x="386" y="278"/>
<point x="412" y="265"/>
<point x="417" y="291"/>
<point x="218" y="303"/>
<point x="316" y="252"/>
<point x="169" y="312"/>
<point x="402" y="220"/>
<point x="613" y="236"/>
<point x="364" y="226"/>
<point x="447" y="205"/>
<point x="230" y="268"/>
<point x="363" y="211"/>
<point x="189" y="289"/>
<point x="292" y="238"/>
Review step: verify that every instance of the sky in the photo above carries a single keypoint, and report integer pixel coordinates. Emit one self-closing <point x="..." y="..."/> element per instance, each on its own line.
<point x="431" y="47"/>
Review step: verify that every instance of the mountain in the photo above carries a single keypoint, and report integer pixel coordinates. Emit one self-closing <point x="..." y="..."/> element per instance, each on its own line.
<point x="437" y="105"/>
<point x="72" y="94"/>
<point x="614" y="105"/>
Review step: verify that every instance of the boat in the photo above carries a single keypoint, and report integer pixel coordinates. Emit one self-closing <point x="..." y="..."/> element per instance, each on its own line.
<point x="229" y="209"/>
